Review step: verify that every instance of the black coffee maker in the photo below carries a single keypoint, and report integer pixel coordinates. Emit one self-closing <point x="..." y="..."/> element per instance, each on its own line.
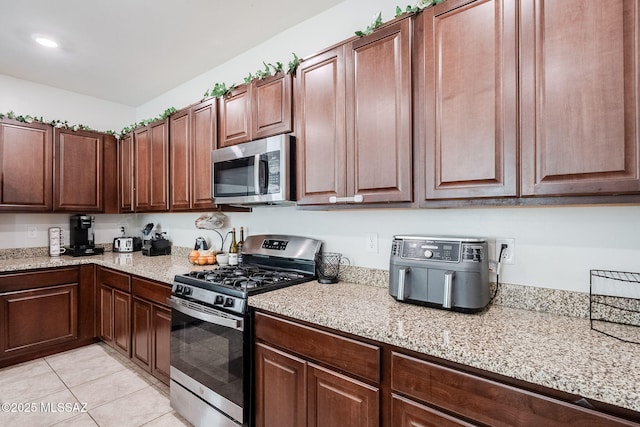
<point x="81" y="236"/>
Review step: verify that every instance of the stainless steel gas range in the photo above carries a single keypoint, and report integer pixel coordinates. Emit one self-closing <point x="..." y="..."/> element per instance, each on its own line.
<point x="211" y="329"/>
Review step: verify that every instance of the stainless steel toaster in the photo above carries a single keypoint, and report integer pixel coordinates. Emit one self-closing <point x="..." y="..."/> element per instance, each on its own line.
<point x="451" y="273"/>
<point x="127" y="244"/>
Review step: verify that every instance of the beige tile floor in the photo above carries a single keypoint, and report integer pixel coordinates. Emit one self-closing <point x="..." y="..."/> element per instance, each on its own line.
<point x="89" y="386"/>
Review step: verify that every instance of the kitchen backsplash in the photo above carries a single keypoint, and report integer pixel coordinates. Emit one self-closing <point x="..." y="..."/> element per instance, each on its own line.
<point x="564" y="303"/>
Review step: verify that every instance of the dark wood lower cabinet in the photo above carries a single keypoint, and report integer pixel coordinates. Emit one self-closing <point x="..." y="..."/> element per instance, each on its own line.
<point x="405" y="413"/>
<point x="114" y="312"/>
<point x="45" y="312"/>
<point x="296" y="391"/>
<point x="303" y="379"/>
<point x="151" y="327"/>
<point x="280" y="388"/>
<point x="337" y="400"/>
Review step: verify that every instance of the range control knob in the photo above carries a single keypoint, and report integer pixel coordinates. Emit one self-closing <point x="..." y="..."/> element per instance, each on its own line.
<point x="228" y="302"/>
<point x="428" y="253"/>
<point x="219" y="300"/>
<point x="186" y="290"/>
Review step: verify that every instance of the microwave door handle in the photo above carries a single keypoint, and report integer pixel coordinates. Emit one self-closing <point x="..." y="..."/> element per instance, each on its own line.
<point x="402" y="283"/>
<point x="448" y="289"/>
<point x="260" y="177"/>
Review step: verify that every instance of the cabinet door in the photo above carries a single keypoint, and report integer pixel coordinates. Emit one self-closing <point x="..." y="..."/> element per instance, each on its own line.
<point x="38" y="318"/>
<point x="337" y="400"/>
<point x="105" y="315"/>
<point x="161" y="353"/>
<point x="470" y="121"/>
<point x="235" y="117"/>
<point x="180" y="174"/>
<point x="320" y="128"/>
<point x="141" y="333"/>
<point x="151" y="167"/>
<point x="204" y="136"/>
<point x="122" y="322"/>
<point x="379" y="137"/>
<point x="271" y="105"/>
<point x="405" y="413"/>
<point x="110" y="195"/>
<point x="26" y="165"/>
<point x="78" y="171"/>
<point x="280" y="389"/>
<point x="126" y="173"/>
<point x="579" y="97"/>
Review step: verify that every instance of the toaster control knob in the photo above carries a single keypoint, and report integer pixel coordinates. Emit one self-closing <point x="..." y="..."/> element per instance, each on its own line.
<point x="428" y="253"/>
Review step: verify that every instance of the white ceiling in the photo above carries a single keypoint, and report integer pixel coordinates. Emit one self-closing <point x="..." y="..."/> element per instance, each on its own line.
<point x="130" y="51"/>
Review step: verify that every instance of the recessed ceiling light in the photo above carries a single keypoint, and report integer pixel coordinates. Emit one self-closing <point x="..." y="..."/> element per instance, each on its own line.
<point x="45" y="41"/>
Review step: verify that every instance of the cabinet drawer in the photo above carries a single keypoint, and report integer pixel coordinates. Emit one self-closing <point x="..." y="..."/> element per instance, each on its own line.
<point x="348" y="355"/>
<point x="32" y="280"/>
<point x="151" y="291"/>
<point x="487" y="401"/>
<point x="406" y="413"/>
<point x="114" y="279"/>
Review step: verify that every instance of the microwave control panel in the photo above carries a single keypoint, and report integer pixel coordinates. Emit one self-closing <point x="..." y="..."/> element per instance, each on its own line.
<point x="438" y="250"/>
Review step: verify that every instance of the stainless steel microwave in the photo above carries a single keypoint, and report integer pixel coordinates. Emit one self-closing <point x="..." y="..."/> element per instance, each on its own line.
<point x="258" y="172"/>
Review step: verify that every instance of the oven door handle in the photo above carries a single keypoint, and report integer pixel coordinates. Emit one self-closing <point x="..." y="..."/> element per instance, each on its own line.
<point x="211" y="318"/>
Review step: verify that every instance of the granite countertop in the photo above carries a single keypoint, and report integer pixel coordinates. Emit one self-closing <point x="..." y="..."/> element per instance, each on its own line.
<point x="158" y="268"/>
<point x="555" y="351"/>
<point x="551" y="350"/>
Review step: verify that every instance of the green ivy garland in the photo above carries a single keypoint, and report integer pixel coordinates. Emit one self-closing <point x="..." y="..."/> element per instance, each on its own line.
<point x="221" y="90"/>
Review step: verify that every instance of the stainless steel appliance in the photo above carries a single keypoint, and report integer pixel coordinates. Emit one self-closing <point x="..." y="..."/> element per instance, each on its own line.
<point x="211" y="329"/>
<point x="82" y="236"/>
<point x="254" y="173"/>
<point x="451" y="273"/>
<point x="127" y="244"/>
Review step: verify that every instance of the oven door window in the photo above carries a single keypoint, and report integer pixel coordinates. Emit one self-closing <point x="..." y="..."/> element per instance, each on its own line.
<point x="241" y="177"/>
<point x="210" y="354"/>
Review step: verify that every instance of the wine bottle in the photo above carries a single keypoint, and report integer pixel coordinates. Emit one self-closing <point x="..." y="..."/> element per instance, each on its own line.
<point x="233" y="249"/>
<point x="240" y="245"/>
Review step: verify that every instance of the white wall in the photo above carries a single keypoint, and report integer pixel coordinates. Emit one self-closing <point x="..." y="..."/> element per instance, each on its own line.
<point x="554" y="246"/>
<point x="315" y="34"/>
<point x="28" y="98"/>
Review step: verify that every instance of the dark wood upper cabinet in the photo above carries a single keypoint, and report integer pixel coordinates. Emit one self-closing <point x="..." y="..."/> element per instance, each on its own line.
<point x="193" y="137"/>
<point x="466" y="99"/>
<point x="78" y="171"/>
<point x="271" y="109"/>
<point x="256" y="110"/>
<point x="378" y="115"/>
<point x="125" y="172"/>
<point x="579" y="97"/>
<point x="353" y="121"/>
<point x="320" y="128"/>
<point x="235" y="117"/>
<point x="466" y="95"/>
<point x="151" y="167"/>
<point x="26" y="166"/>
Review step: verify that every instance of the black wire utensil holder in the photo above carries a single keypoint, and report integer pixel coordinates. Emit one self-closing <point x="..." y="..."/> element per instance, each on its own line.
<point x="614" y="304"/>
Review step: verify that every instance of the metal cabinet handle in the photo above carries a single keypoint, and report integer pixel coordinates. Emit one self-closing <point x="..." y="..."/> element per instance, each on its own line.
<point x="358" y="198"/>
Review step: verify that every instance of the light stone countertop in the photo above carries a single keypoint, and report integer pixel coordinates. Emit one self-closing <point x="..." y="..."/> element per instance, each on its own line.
<point x="555" y="351"/>
<point x="159" y="268"/>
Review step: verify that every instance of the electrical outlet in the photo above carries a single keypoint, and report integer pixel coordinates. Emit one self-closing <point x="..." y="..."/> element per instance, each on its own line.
<point x="32" y="231"/>
<point x="509" y="254"/>
<point x="371" y="242"/>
